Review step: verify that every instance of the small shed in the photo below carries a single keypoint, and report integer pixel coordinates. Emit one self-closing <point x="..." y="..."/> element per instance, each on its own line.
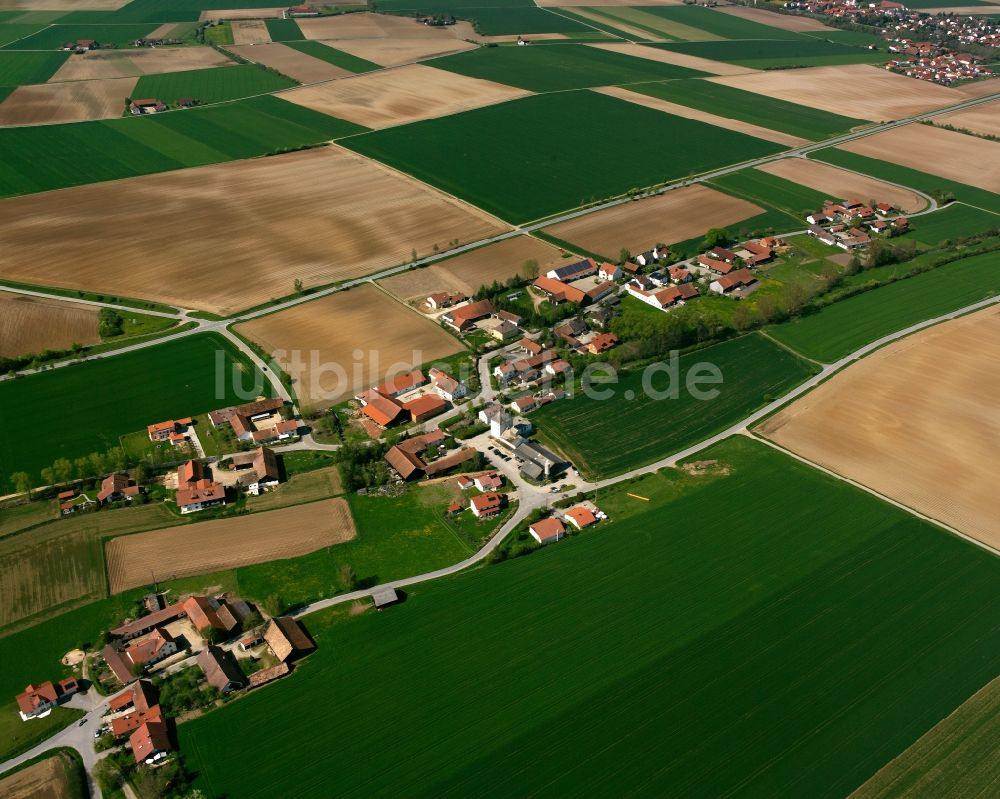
<point x="383" y="596"/>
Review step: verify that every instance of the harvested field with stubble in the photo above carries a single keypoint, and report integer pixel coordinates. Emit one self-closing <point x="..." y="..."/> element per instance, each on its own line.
<point x="983" y="119"/>
<point x="669" y="218"/>
<point x="243" y="13"/>
<point x="840" y="184"/>
<point x="227" y="543"/>
<point x="288" y="61"/>
<point x="74" y="101"/>
<point x="955" y="156"/>
<point x="380" y="26"/>
<point x="331" y="331"/>
<point x="319" y="216"/>
<point x="937" y="452"/>
<point x="467" y="272"/>
<point x="250" y="31"/>
<point x="393" y="52"/>
<point x="861" y="90"/>
<point x="102" y="64"/>
<point x="410" y="93"/>
<point x="47" y="779"/>
<point x="688" y="112"/>
<point x="785" y="22"/>
<point x="33" y="324"/>
<point x="677" y="59"/>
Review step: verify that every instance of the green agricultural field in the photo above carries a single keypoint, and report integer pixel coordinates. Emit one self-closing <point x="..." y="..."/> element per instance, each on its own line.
<point x="757" y="186"/>
<point x="397" y="537"/>
<point x="858" y="38"/>
<point x="333" y="56"/>
<point x="803" y="52"/>
<point x="553" y="69"/>
<point x="43" y="157"/>
<point x="54" y="36"/>
<point x="17" y="736"/>
<point x="725" y="26"/>
<point x="841" y="328"/>
<point x="19" y="517"/>
<point x="284" y="30"/>
<point x="12" y="32"/>
<point x="646" y="427"/>
<point x="758" y="109"/>
<point x="65" y="412"/>
<point x="719" y="640"/>
<point x="157" y="11"/>
<point x="953" y="222"/>
<point x="922" y="181"/>
<point x="215" y="85"/>
<point x="490" y="18"/>
<point x="18" y="69"/>
<point x="553" y="139"/>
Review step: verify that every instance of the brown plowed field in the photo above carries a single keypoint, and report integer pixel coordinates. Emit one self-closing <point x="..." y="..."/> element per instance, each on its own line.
<point x="134" y="560"/>
<point x="572" y="3"/>
<point x="225" y="237"/>
<point x="956" y="156"/>
<point x="97" y="64"/>
<point x="298" y="66"/>
<point x="47" y="779"/>
<point x="785" y="22"/>
<point x="677" y="59"/>
<point x="855" y="90"/>
<point x="32" y="324"/>
<point x="916" y="421"/>
<point x="467" y="272"/>
<point x="393" y="52"/>
<point x="379" y="26"/>
<point x="61" y="5"/>
<point x="76" y="101"/>
<point x="394" y="97"/>
<point x="243" y="13"/>
<point x="982" y="119"/>
<point x="840" y="184"/>
<point x="669" y="218"/>
<point x="703" y="116"/>
<point x="348" y="341"/>
<point x="250" y="31"/>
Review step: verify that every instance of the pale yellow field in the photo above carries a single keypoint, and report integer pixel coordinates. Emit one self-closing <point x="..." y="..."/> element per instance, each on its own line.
<point x="916" y="421"/>
<point x="840" y="184"/>
<point x="135" y="560"/>
<point x="243" y="13"/>
<point x="289" y="61"/>
<point x="854" y="90"/>
<point x="379" y="26"/>
<point x="677" y="59"/>
<point x="783" y="21"/>
<point x="348" y="341"/>
<point x="669" y="218"/>
<point x="394" y="52"/>
<point x="395" y="97"/>
<point x="618" y="24"/>
<point x="703" y="116"/>
<point x="133" y="62"/>
<point x="981" y="119"/>
<point x="230" y="236"/>
<point x="637" y="19"/>
<point x="467" y="272"/>
<point x="74" y="101"/>
<point x="957" y="156"/>
<point x="249" y="31"/>
<point x="32" y="324"/>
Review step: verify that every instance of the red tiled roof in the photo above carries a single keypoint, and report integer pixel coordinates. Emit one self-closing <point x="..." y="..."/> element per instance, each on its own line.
<point x="487" y="502"/>
<point x="559" y="291"/>
<point x="428" y="404"/>
<point x="149" y="739"/>
<point x="381" y="410"/>
<point x="401" y="383"/>
<point x="35" y="695"/>
<point x="460" y="317"/>
<point x="548" y="529"/>
<point x="582" y="516"/>
<point x="200" y="491"/>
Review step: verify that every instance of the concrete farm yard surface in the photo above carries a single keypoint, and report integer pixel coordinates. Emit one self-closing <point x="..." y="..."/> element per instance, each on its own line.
<point x="467" y="272"/>
<point x="142" y="558"/>
<point x="32" y="324"/>
<point x="397" y="96"/>
<point x="676" y="216"/>
<point x="841" y="184"/>
<point x="940" y="454"/>
<point x="98" y="64"/>
<point x="319" y="216"/>
<point x="364" y="320"/>
<point x="72" y="101"/>
<point x="956" y="156"/>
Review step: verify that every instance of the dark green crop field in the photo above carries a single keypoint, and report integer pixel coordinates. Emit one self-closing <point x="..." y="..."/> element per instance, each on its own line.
<point x="954" y="222"/>
<point x="726" y="26"/>
<point x="770" y="632"/>
<point x="17" y="69"/>
<point x="531" y="158"/>
<point x="841" y="328"/>
<point x="803" y="52"/>
<point x="12" y="31"/>
<point x="157" y="11"/>
<point x="757" y="186"/>
<point x="758" y="109"/>
<point x="552" y="69"/>
<point x="214" y="85"/>
<point x="333" y="56"/>
<point x="504" y="17"/>
<point x="646" y="426"/>
<point x="913" y="178"/>
<point x="73" y="411"/>
<point x="54" y="36"/>
<point x="46" y="157"/>
<point x="284" y="30"/>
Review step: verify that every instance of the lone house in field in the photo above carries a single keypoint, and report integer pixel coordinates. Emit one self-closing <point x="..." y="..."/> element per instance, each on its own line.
<point x="146" y="106"/>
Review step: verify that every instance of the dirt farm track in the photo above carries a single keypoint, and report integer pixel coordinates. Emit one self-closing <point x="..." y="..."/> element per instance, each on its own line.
<point x="221" y="238"/>
<point x="135" y="560"/>
<point x="915" y="421"/>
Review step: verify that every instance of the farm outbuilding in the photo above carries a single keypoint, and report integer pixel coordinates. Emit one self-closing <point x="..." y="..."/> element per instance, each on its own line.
<point x="384" y="596"/>
<point x="287" y="639"/>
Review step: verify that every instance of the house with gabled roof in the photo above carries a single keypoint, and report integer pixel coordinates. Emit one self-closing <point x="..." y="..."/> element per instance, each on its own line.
<point x="117" y="487"/>
<point x="150" y="743"/>
<point x="547" y="530"/>
<point x="487" y="505"/>
<point x="220" y="669"/>
<point x="463" y="317"/>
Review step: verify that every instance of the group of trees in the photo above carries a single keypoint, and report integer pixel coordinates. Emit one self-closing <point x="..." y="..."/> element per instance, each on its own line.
<point x="109" y="323"/>
<point x="362" y="465"/>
